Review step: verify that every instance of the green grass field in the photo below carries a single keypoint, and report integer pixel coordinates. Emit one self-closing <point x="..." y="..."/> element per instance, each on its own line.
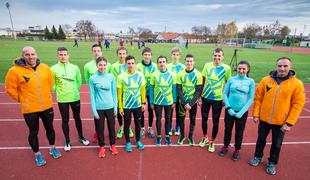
<point x="262" y="61"/>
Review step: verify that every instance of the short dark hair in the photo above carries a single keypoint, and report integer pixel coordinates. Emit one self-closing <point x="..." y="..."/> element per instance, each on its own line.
<point x="217" y="50"/>
<point x="120" y="48"/>
<point x="147" y="49"/>
<point x="100" y="58"/>
<point x="189" y="56"/>
<point x="129" y="57"/>
<point x="96" y="45"/>
<point x="248" y="64"/>
<point x="284" y="58"/>
<point x="62" y="49"/>
<point x="161" y="56"/>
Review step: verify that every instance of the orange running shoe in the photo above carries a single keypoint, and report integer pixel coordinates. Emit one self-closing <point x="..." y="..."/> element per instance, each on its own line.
<point x="101" y="152"/>
<point x="113" y="150"/>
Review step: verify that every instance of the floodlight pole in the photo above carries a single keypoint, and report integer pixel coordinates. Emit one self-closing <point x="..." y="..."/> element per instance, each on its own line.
<point x="7" y="4"/>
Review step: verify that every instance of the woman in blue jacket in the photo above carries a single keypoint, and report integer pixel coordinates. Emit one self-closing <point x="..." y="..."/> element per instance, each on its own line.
<point x="103" y="98"/>
<point x="238" y="97"/>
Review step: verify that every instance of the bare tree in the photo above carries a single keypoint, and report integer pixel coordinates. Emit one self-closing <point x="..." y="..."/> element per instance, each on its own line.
<point x="251" y="31"/>
<point x="131" y="30"/>
<point x="85" y="28"/>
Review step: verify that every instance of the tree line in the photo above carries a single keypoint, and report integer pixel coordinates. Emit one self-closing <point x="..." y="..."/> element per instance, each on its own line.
<point x="54" y="34"/>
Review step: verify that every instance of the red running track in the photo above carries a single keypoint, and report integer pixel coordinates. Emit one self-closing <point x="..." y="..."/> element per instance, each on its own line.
<point x="176" y="162"/>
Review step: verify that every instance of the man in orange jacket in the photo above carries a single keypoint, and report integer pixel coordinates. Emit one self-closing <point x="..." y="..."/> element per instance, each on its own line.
<point x="278" y="102"/>
<point x="29" y="82"/>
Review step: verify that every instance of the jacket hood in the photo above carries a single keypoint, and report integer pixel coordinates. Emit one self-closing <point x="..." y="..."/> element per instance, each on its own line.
<point x="273" y="74"/>
<point x="22" y="62"/>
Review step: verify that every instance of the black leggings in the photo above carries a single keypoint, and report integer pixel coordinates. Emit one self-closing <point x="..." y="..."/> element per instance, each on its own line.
<point x="150" y="111"/>
<point x="120" y="119"/>
<point x="158" y="112"/>
<point x="192" y="117"/>
<point x="137" y="119"/>
<point x="64" y="111"/>
<point x="32" y="121"/>
<point x="216" y="112"/>
<point x="109" y="115"/>
<point x="177" y="117"/>
<point x="239" y="128"/>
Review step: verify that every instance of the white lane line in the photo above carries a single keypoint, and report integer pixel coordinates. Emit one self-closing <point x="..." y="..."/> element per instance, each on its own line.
<point x="306" y="109"/>
<point x="146" y="145"/>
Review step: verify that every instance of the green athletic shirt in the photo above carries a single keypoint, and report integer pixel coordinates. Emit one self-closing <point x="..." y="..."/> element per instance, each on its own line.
<point x="147" y="71"/>
<point x="90" y="69"/>
<point x="215" y="79"/>
<point x="67" y="82"/>
<point x="176" y="68"/>
<point x="131" y="86"/>
<point x="117" y="69"/>
<point x="163" y="88"/>
<point x="189" y="81"/>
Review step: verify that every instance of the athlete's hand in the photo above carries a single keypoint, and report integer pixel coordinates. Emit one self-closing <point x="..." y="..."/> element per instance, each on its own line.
<point x="173" y="106"/>
<point x="143" y="107"/>
<point x="121" y="112"/>
<point x="285" y="128"/>
<point x="199" y="103"/>
<point x="188" y="107"/>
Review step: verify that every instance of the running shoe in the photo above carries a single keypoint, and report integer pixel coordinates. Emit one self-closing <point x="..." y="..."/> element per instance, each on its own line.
<point x="142" y="133"/>
<point x="158" y="141"/>
<point x="181" y="140"/>
<point x="170" y="132"/>
<point x="235" y="155"/>
<point x="113" y="150"/>
<point x="255" y="161"/>
<point x="223" y="151"/>
<point x="140" y="145"/>
<point x="56" y="154"/>
<point x="204" y="141"/>
<point x="40" y="161"/>
<point x="128" y="147"/>
<point x="67" y="146"/>
<point x="84" y="141"/>
<point x="271" y="169"/>
<point x="120" y="133"/>
<point x="151" y="132"/>
<point x="131" y="134"/>
<point x="101" y="153"/>
<point x="168" y="140"/>
<point x="211" y="147"/>
<point x="177" y="131"/>
<point x="191" y="141"/>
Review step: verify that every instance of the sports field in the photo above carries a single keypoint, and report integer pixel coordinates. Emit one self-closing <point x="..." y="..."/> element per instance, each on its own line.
<point x="262" y="61"/>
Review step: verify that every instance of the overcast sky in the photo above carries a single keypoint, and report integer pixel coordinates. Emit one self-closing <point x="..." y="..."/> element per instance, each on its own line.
<point x="176" y="15"/>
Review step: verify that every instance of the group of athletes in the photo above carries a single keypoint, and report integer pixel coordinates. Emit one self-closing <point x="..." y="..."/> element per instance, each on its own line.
<point x="130" y="88"/>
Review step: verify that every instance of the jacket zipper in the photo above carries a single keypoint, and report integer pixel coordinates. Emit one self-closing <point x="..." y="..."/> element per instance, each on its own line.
<point x="39" y="89"/>
<point x="274" y="102"/>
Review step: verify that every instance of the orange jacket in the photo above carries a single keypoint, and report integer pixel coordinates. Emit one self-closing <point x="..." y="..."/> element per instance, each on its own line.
<point x="32" y="89"/>
<point x="279" y="104"/>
